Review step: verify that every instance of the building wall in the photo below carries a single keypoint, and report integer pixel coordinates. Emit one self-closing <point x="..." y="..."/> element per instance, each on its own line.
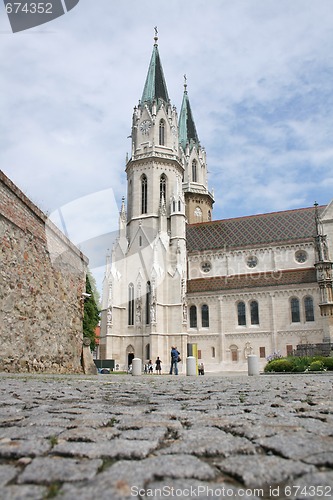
<point x="275" y="330"/>
<point x="223" y="278"/>
<point x="41" y="283"/>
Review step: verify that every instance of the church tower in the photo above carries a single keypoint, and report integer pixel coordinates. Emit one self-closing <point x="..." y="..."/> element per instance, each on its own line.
<point x="199" y="201"/>
<point x="324" y="271"/>
<point x="145" y="311"/>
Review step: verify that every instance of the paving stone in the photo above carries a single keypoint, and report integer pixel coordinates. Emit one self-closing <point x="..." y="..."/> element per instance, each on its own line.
<point x="47" y="470"/>
<point x="158" y="433"/>
<point x="27" y="492"/>
<point x="7" y="473"/>
<point x="30" y="432"/>
<point x="21" y="448"/>
<point x="297" y="445"/>
<point x="209" y="441"/>
<point x="261" y="470"/>
<point x="116" y="448"/>
<point x="86" y="434"/>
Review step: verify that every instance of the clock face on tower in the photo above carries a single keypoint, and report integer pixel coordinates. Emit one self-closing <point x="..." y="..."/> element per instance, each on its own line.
<point x="145" y="126"/>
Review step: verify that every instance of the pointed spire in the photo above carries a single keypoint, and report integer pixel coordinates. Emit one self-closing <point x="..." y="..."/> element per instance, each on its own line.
<point x="187" y="130"/>
<point x="155" y="87"/>
<point x="123" y="210"/>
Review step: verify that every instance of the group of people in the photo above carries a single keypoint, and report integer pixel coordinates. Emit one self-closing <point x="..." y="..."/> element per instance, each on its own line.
<point x="175" y="359"/>
<point x="149" y="368"/>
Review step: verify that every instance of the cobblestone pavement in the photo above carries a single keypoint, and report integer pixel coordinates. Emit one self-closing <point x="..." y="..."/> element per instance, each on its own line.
<point x="118" y="437"/>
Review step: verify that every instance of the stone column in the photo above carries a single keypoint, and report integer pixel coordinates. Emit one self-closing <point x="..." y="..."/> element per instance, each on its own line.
<point x="88" y="364"/>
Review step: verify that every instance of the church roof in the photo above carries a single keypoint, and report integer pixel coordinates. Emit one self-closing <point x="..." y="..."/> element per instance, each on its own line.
<point x="187" y="131"/>
<point x="244" y="281"/>
<point x="155" y="87"/>
<point x="254" y="230"/>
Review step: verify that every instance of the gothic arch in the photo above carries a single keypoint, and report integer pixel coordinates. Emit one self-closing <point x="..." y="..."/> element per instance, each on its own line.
<point x="130" y="354"/>
<point x="161" y="133"/>
<point x="163" y="187"/>
<point x="144" y="194"/>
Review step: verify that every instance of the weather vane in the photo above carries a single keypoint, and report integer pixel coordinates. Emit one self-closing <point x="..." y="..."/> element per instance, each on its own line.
<point x="185" y="83"/>
<point x="156" y="33"/>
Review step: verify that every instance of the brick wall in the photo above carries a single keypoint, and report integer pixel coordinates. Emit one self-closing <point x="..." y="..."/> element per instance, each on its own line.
<point x="42" y="277"/>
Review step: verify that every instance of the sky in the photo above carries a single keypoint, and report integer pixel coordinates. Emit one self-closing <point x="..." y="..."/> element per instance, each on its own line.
<point x="260" y="83"/>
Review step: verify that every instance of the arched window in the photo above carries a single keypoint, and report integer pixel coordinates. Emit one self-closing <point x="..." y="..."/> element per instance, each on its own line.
<point x="163" y="181"/>
<point x="254" y="308"/>
<point x="144" y="194"/>
<point x="131" y="304"/>
<point x="161" y="137"/>
<point x="213" y="352"/>
<point x="194" y="171"/>
<point x="204" y="316"/>
<point x="295" y="314"/>
<point x="148" y="297"/>
<point x="241" y="313"/>
<point x="209" y="215"/>
<point x="308" y="307"/>
<point x="147" y="351"/>
<point x="193" y="317"/>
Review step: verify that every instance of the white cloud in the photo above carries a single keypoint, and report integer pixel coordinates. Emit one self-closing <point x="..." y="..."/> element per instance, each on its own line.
<point x="259" y="80"/>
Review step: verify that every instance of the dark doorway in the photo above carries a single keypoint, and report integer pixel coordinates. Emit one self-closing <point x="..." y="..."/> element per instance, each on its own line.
<point x="130" y="358"/>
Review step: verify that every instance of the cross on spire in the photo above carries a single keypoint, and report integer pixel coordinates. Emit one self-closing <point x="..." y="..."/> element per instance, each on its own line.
<point x="156" y="37"/>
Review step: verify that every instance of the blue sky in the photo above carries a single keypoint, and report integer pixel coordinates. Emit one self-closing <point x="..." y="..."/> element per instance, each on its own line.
<point x="260" y="82"/>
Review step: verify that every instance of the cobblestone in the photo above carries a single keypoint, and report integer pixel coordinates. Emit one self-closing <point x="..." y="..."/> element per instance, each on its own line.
<point x="118" y="437"/>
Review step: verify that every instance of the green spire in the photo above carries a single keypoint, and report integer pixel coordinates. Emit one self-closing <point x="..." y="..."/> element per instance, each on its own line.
<point x="155" y="87"/>
<point x="187" y="131"/>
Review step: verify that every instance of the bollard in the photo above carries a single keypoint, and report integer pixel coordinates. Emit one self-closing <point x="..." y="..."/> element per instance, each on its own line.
<point x="136" y="366"/>
<point x="252" y="365"/>
<point x="191" y="366"/>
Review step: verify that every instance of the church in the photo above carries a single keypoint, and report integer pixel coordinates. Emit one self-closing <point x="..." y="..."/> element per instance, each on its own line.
<point x="223" y="289"/>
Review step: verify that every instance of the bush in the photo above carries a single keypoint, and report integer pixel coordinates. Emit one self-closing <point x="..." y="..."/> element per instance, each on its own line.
<point x="328" y="363"/>
<point x="316" y="366"/>
<point x="300" y="364"/>
<point x="279" y="365"/>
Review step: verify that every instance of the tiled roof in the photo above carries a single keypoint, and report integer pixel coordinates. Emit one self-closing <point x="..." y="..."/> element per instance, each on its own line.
<point x="276" y="227"/>
<point x="244" y="281"/>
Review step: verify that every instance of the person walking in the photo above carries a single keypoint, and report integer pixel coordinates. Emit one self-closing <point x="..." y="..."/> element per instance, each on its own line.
<point x="158" y="363"/>
<point x="174" y="360"/>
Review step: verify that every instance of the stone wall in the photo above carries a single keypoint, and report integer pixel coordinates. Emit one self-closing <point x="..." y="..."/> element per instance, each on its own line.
<point x="42" y="277"/>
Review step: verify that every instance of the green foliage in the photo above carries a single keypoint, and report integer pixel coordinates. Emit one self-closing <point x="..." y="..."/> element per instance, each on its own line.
<point x="328" y="363"/>
<point x="299" y="364"/>
<point x="279" y="365"/>
<point x="91" y="313"/>
<point x="316" y="366"/>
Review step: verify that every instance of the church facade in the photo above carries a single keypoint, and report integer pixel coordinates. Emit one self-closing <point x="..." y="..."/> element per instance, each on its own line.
<point x="248" y="285"/>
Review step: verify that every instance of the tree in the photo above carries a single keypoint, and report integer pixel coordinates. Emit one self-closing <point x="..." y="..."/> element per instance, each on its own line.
<point x="91" y="311"/>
